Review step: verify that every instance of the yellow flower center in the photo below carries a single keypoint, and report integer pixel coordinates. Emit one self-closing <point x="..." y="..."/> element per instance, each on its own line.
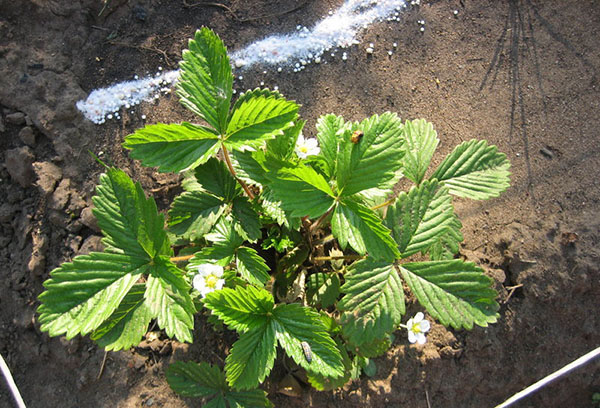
<point x="416" y="328"/>
<point x="211" y="281"/>
<point x="303" y="149"/>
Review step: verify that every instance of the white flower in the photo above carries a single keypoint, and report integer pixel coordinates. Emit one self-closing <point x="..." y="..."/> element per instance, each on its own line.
<point x="306" y="147"/>
<point x="208" y="279"/>
<point x="417" y="327"/>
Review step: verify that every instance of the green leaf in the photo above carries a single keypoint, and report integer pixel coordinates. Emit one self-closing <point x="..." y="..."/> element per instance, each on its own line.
<point x="447" y="244"/>
<point x="215" y="178"/>
<point x="272" y="208"/>
<point x="283" y="145"/>
<point x="196" y="380"/>
<point x="323" y="383"/>
<point x="421" y="142"/>
<point x="374" y="302"/>
<point x="193" y="214"/>
<point x="172" y="147"/>
<point x="248" y="399"/>
<point x="251" y="266"/>
<point x="245" y="220"/>
<point x="421" y="217"/>
<point x="323" y="288"/>
<point x="302" y="191"/>
<point x="81" y="294"/>
<point x="217" y="254"/>
<point x="353" y="223"/>
<point x="168" y="299"/>
<point x="454" y="292"/>
<point x="241" y="309"/>
<point x="330" y="129"/>
<point x="126" y="327"/>
<point x="475" y="170"/>
<point x="251" y="358"/>
<point x="205" y="85"/>
<point x="248" y="166"/>
<point x="129" y="220"/>
<point x="258" y="116"/>
<point x="375" y="348"/>
<point x="374" y="159"/>
<point x="295" y="324"/>
<point x="204" y="380"/>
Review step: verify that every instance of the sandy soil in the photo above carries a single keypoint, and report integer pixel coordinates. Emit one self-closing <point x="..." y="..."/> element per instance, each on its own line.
<point x="522" y="74"/>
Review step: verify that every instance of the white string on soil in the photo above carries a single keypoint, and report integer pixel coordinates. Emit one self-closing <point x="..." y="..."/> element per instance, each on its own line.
<point x="292" y="51"/>
<point x="548" y="379"/>
<point x="11" y="383"/>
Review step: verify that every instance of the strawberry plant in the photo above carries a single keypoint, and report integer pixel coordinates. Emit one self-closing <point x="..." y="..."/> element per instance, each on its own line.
<point x="292" y="242"/>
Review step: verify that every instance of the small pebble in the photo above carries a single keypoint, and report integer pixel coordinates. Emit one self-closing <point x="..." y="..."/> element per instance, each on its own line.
<point x="369" y="50"/>
<point x="143" y="117"/>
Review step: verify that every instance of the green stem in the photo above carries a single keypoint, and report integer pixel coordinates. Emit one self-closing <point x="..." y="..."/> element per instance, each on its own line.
<point x="333" y="258"/>
<point x="317" y="223"/>
<point x="181" y="258"/>
<point x="324" y="240"/>
<point x="232" y="171"/>
<point x="388" y="202"/>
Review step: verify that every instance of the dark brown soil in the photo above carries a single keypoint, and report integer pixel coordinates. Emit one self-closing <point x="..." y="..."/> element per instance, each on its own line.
<point x="522" y="74"/>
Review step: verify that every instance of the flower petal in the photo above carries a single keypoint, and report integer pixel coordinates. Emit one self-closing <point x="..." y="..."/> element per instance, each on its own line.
<point x="425" y="326"/>
<point x="421" y="339"/>
<point x="199" y="283"/>
<point x="418" y="317"/>
<point x="412" y="337"/>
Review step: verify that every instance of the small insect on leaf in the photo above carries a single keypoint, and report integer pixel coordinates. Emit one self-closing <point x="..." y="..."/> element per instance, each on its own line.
<point x="307" y="351"/>
<point x="356" y="136"/>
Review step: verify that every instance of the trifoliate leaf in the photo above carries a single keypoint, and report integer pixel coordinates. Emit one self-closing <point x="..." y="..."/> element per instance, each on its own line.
<point x="129" y="220"/>
<point x="330" y="130"/>
<point x="353" y="223"/>
<point x="172" y="147"/>
<point x="421" y="141"/>
<point x="245" y="220"/>
<point x="252" y="357"/>
<point x="374" y="302"/>
<point x="251" y="266"/>
<point x="127" y="325"/>
<point x="421" y="217"/>
<point x="375" y="157"/>
<point x="241" y="309"/>
<point x="474" y="170"/>
<point x="323" y="289"/>
<point x="81" y="294"/>
<point x="193" y="214"/>
<point x="301" y="191"/>
<point x="258" y="116"/>
<point x="456" y="293"/>
<point x="295" y="324"/>
<point x="215" y="178"/>
<point x="205" y="85"/>
<point x="168" y="299"/>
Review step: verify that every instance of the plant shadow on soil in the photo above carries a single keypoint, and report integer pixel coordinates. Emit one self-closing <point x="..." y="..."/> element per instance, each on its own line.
<point x="495" y="70"/>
